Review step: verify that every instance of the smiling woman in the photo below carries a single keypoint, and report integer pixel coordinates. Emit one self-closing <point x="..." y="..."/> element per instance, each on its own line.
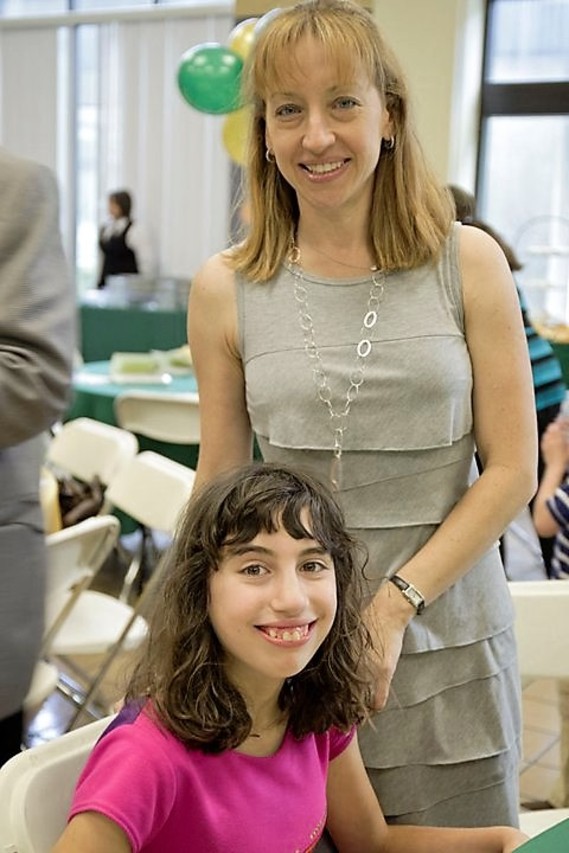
<point x="359" y="331"/>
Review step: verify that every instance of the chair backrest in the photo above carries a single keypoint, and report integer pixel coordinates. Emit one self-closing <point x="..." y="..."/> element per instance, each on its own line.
<point x="36" y="788"/>
<point x="163" y="417"/>
<point x="74" y="556"/>
<point x="45" y="678"/>
<point x="86" y="448"/>
<point x="152" y="489"/>
<point x="542" y="627"/>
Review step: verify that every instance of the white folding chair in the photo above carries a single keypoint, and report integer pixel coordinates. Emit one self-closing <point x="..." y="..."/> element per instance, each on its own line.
<point x="36" y="788"/>
<point x="86" y="448"/>
<point x="542" y="636"/>
<point x="74" y="556"/>
<point x="44" y="682"/>
<point x="532" y="823"/>
<point x="79" y="620"/>
<point x="163" y="417"/>
<point x="542" y="627"/>
<point x="153" y="490"/>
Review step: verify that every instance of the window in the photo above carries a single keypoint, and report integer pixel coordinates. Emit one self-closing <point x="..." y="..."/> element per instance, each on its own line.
<point x="88" y="214"/>
<point x="523" y="179"/>
<point x="105" y="113"/>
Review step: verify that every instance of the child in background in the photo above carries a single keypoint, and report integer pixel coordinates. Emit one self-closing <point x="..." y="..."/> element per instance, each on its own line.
<point x="551" y="518"/>
<point x="551" y="504"/>
<point x="238" y="733"/>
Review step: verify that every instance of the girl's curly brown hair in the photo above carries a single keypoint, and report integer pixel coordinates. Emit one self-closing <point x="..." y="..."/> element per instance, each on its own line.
<point x="181" y="666"/>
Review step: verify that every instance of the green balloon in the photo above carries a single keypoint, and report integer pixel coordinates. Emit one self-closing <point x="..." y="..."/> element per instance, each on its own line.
<point x="209" y="78"/>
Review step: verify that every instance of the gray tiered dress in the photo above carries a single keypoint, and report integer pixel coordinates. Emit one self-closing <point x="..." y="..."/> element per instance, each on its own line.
<point x="445" y="750"/>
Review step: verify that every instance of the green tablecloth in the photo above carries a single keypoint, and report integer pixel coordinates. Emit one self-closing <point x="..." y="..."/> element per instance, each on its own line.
<point x="133" y="314"/>
<point x="94" y="396"/>
<point x="108" y="329"/>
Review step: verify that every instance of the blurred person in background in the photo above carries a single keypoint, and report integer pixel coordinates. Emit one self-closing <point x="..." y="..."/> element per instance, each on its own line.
<point x="124" y="245"/>
<point x="548" y="384"/>
<point x="37" y="339"/>
<point x="551" y="518"/>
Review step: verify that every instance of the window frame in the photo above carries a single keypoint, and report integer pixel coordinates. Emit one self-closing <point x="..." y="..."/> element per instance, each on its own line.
<point x="540" y="98"/>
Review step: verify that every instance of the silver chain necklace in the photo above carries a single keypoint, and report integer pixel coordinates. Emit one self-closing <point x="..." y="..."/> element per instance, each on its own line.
<point x="338" y="418"/>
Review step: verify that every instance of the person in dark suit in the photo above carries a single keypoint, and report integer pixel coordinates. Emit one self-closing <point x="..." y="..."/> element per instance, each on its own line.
<point x="37" y="338"/>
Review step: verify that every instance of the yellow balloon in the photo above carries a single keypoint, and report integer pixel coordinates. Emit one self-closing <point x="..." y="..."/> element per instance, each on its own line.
<point x="242" y="36"/>
<point x="235" y="133"/>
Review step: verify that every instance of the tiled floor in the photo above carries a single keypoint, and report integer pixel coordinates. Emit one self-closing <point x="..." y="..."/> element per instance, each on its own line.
<point x="540" y="764"/>
<point x="541" y="760"/>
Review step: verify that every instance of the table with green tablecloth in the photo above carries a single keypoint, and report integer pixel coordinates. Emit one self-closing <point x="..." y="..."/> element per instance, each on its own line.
<point x="133" y="318"/>
<point x="94" y="393"/>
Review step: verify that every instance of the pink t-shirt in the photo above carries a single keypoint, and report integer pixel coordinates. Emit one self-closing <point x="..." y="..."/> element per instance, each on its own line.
<point x="167" y="798"/>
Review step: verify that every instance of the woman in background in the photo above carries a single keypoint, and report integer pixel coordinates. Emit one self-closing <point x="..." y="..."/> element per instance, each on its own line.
<point x="548" y="383"/>
<point x="124" y="246"/>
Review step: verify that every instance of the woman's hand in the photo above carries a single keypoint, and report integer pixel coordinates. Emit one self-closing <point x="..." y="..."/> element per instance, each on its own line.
<point x="513" y="839"/>
<point x="387" y="618"/>
<point x="554" y="444"/>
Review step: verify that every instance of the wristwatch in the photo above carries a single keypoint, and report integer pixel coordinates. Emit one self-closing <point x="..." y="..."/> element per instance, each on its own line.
<point x="410" y="592"/>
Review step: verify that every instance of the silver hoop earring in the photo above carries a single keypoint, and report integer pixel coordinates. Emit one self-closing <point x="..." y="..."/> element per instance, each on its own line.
<point x="388" y="144"/>
<point x="269" y="156"/>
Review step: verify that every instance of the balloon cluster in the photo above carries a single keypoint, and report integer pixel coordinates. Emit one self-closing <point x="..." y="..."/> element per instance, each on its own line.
<point x="209" y="78"/>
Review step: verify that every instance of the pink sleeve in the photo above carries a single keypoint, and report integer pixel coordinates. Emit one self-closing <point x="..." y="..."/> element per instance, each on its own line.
<point x="339" y="741"/>
<point x="129" y="780"/>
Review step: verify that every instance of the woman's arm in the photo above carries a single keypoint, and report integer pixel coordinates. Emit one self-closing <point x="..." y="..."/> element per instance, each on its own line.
<point x="226" y="435"/>
<point x="555" y="451"/>
<point x="138" y="240"/>
<point x="90" y="832"/>
<point x="505" y="434"/>
<point x="356" y="823"/>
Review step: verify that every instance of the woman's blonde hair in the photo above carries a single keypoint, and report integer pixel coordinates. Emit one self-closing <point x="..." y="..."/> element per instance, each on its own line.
<point x="411" y="213"/>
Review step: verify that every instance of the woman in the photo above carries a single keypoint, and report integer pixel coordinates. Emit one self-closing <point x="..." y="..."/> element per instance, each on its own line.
<point x="124" y="246"/>
<point x="358" y="331"/>
<point x="251" y="682"/>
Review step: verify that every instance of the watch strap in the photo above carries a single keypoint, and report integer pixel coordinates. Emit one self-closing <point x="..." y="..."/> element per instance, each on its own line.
<point x="410" y="592"/>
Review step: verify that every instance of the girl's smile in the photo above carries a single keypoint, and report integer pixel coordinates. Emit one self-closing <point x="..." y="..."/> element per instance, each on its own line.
<point x="287" y="634"/>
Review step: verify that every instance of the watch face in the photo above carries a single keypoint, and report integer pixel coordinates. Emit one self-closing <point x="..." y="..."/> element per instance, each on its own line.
<point x="412" y="594"/>
<point x="416" y="599"/>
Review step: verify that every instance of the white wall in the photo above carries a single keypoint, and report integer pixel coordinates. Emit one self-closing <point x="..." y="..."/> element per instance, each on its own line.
<point x="440" y="44"/>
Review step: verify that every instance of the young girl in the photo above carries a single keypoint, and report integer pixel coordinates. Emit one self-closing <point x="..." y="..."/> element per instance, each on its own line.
<point x="238" y="731"/>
